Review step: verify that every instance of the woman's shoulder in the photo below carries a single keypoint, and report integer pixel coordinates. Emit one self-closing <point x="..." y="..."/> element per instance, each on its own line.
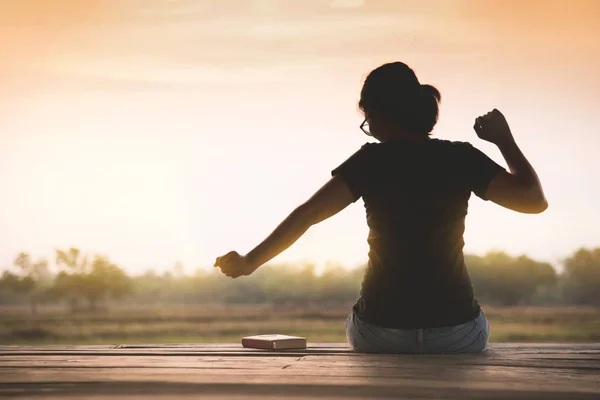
<point x="433" y="143"/>
<point x="369" y="148"/>
<point x="455" y="147"/>
<point x="450" y="143"/>
<point x="370" y="145"/>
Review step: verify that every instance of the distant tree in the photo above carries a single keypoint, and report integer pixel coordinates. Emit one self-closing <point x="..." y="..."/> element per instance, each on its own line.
<point x="69" y="287"/>
<point x="497" y="277"/>
<point x="34" y="279"/>
<point x="23" y="261"/>
<point x="12" y="286"/>
<point x="105" y="280"/>
<point x="504" y="280"/>
<point x="9" y="281"/>
<point x="73" y="260"/>
<point x="277" y="284"/>
<point x="69" y="284"/>
<point x="38" y="271"/>
<point x="581" y="277"/>
<point x="93" y="282"/>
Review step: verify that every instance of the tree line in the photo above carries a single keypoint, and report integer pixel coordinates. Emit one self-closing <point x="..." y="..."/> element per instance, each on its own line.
<point x="82" y="282"/>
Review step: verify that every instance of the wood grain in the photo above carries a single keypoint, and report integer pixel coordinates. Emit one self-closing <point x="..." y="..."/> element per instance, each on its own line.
<point x="326" y="371"/>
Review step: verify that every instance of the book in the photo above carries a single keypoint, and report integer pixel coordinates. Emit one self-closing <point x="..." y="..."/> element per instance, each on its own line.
<point x="274" y="342"/>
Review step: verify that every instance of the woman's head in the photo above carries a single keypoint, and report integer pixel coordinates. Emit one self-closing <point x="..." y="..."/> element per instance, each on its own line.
<point x="394" y="102"/>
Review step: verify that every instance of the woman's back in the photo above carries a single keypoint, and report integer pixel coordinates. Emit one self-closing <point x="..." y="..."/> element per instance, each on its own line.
<point x="416" y="192"/>
<point x="416" y="195"/>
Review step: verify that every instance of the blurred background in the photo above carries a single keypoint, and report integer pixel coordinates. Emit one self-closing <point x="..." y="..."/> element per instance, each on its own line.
<point x="140" y="139"/>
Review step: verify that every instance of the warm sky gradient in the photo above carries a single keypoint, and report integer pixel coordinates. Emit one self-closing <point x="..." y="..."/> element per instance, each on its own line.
<point x="156" y="131"/>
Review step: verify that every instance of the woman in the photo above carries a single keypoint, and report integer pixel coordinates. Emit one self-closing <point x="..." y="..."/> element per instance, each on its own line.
<point x="416" y="295"/>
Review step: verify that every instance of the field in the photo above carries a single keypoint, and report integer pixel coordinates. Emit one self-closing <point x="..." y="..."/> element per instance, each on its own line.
<point x="214" y="324"/>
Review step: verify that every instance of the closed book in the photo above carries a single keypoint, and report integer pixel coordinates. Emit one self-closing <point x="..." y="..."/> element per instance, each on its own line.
<point x="274" y="342"/>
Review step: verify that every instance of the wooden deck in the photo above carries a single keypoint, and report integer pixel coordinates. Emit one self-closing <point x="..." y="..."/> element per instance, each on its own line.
<point x="327" y="371"/>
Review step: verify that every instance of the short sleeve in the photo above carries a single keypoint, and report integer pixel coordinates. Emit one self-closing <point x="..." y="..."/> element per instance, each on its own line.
<point x="477" y="169"/>
<point x="355" y="171"/>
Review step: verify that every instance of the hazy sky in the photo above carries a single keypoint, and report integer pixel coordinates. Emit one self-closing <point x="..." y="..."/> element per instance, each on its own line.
<point x="156" y="131"/>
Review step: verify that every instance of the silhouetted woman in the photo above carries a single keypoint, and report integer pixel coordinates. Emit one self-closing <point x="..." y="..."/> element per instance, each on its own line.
<point x="416" y="295"/>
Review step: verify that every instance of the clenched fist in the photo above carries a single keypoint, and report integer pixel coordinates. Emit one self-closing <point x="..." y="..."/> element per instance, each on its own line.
<point x="234" y="265"/>
<point x="492" y="127"/>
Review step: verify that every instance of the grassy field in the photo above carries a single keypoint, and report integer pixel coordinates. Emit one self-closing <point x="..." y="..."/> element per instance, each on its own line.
<point x="178" y="324"/>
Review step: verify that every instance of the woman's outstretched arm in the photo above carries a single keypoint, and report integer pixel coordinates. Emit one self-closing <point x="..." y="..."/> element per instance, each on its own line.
<point x="332" y="198"/>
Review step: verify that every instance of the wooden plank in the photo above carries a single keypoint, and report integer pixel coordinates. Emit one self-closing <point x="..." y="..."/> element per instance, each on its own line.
<point x="208" y="362"/>
<point x="175" y="349"/>
<point x="488" y="380"/>
<point x="580" y="361"/>
<point x="203" y="346"/>
<point x="281" y="367"/>
<point x="237" y="349"/>
<point x="583" y="361"/>
<point x="330" y="346"/>
<point x="549" y="348"/>
<point x="498" y="356"/>
<point x="443" y="377"/>
<point x="169" y="391"/>
<point x="326" y="371"/>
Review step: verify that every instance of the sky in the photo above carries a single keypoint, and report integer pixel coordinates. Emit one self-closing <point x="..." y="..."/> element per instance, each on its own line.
<point x="156" y="131"/>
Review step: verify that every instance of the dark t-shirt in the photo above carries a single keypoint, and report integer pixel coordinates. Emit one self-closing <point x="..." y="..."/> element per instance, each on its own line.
<point x="416" y="196"/>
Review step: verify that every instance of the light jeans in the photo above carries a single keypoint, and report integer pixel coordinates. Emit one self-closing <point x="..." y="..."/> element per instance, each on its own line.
<point x="470" y="337"/>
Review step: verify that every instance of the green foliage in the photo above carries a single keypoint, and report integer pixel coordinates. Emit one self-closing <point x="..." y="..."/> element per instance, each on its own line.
<point x="501" y="279"/>
<point x="94" y="282"/>
<point x="16" y="284"/>
<point x="582" y="277"/>
<point x="31" y="282"/>
<point x="68" y="287"/>
<point x="72" y="259"/>
<point x="105" y="279"/>
<point x="498" y="279"/>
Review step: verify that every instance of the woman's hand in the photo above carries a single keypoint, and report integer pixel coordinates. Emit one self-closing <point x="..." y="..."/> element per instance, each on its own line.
<point x="492" y="127"/>
<point x="234" y="265"/>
